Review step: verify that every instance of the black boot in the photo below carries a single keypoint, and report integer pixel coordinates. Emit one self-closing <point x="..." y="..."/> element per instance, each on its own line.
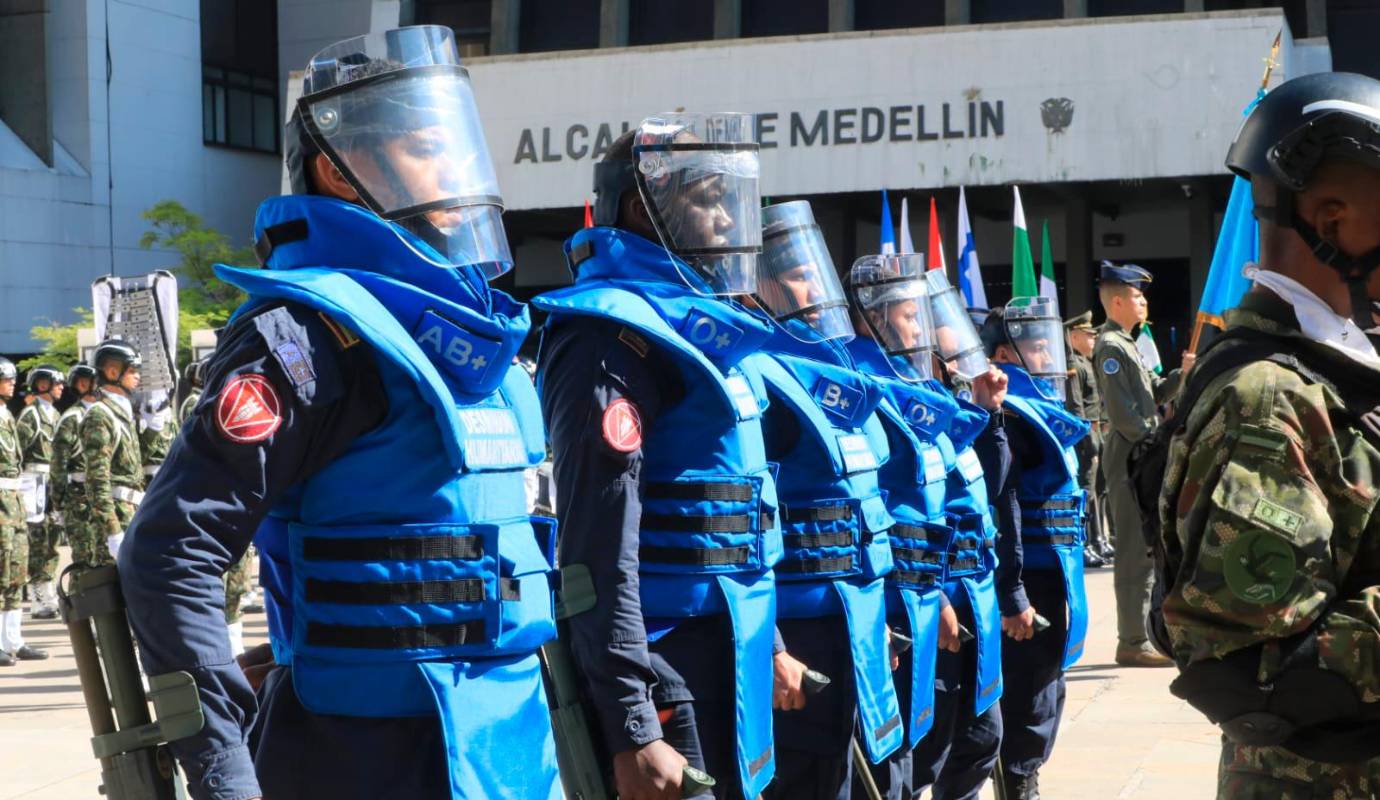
<point x="27" y="653"/>
<point x="1022" y="787"/>
<point x="6" y="660"/>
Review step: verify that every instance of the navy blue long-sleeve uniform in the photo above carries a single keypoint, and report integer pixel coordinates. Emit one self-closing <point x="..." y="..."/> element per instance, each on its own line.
<point x="1004" y="454"/>
<point x="199" y="516"/>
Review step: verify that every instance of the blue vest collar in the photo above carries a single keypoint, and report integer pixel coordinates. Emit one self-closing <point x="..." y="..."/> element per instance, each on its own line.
<point x="1065" y="426"/>
<point x="967" y="424"/>
<point x="925" y="406"/>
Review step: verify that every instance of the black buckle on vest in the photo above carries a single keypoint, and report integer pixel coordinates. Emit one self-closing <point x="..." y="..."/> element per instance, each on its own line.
<point x="382" y="638"/>
<point x="294" y="230"/>
<point x="694" y="556"/>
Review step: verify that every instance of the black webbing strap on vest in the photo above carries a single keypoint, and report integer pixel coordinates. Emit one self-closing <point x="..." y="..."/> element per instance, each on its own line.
<point x="371" y="637"/>
<point x="294" y="230"/>
<point x="694" y="556"/>
<point x="923" y="534"/>
<point x="887" y="727"/>
<point x="674" y="523"/>
<point x="913" y="577"/>
<point x="387" y="548"/>
<point x="918" y="555"/>
<point x="815" y="565"/>
<point x="838" y="539"/>
<point x="817" y="513"/>
<point x="465" y="590"/>
<point x="699" y="490"/>
<point x="1047" y="538"/>
<point x="970" y="523"/>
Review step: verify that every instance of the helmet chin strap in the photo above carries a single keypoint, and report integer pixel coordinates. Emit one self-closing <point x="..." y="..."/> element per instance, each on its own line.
<point x="1354" y="270"/>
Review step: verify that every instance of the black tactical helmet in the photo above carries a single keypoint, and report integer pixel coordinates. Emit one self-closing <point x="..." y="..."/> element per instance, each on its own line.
<point x="117" y="350"/>
<point x="993" y="331"/>
<point x="44" y="372"/>
<point x="81" y="371"/>
<point x="1296" y="127"/>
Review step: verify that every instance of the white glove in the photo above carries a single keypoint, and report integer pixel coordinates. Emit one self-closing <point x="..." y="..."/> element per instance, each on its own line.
<point x="113" y="542"/>
<point x="155" y="420"/>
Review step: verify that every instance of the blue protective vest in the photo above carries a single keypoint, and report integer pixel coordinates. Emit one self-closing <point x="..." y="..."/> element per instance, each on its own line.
<point x="1052" y="503"/>
<point x="914" y="481"/>
<point x="708" y="533"/>
<point x="422" y="590"/>
<point x="834" y="517"/>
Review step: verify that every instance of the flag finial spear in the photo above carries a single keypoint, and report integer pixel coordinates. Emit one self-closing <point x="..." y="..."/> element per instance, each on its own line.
<point x="1271" y="62"/>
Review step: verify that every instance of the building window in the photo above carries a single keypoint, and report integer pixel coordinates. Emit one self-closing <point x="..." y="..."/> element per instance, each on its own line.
<point x="470" y="19"/>
<point x="1016" y="10"/>
<point x="659" y="22"/>
<point x="785" y="17"/>
<point x="1126" y="8"/>
<point x="239" y="74"/>
<point x="874" y="15"/>
<point x="558" y="25"/>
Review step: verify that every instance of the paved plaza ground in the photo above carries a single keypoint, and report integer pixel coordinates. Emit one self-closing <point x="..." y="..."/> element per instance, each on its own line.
<point x="1124" y="736"/>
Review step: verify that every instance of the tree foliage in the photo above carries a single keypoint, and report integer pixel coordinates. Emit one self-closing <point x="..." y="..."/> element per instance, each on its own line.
<point x="203" y="300"/>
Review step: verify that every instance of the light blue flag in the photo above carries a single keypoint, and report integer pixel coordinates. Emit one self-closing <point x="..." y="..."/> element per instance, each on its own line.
<point x="1238" y="244"/>
<point x="888" y="231"/>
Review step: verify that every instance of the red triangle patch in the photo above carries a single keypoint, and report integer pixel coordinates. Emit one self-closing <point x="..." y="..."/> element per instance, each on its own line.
<point x="622" y="426"/>
<point x="248" y="409"/>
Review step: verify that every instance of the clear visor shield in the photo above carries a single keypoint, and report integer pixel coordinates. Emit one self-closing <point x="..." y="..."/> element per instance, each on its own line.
<point x="1037" y="335"/>
<point x="955" y="336"/>
<point x="797" y="282"/>
<point x="891" y="296"/>
<point x="698" y="177"/>
<point x="406" y="135"/>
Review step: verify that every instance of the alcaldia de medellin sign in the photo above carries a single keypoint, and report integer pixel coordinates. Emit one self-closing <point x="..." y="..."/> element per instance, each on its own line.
<point x="976" y="119"/>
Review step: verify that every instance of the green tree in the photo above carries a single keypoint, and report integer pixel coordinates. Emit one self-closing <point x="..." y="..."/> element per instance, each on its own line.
<point x="203" y="300"/>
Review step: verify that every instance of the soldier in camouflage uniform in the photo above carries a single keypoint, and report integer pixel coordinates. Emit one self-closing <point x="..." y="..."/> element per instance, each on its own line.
<point x="1132" y="395"/>
<point x="1270" y="493"/>
<point x="157" y="432"/>
<point x="110" y="444"/>
<point x="14" y="536"/>
<point x="37" y="424"/>
<point x="1084" y="400"/>
<point x="192" y="374"/>
<point x="69" y="475"/>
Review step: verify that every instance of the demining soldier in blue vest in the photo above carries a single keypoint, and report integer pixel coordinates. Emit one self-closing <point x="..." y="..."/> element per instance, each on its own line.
<point x="894" y="346"/>
<point x="362" y="413"/>
<point x="1040" y="499"/>
<point x="822" y="429"/>
<point x="663" y="486"/>
<point x="957" y="757"/>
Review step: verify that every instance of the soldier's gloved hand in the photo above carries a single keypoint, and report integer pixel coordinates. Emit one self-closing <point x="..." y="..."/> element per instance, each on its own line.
<point x="155" y="420"/>
<point x="787" y="677"/>
<point x="650" y="772"/>
<point x="1020" y="626"/>
<point x="989" y="389"/>
<point x="948" y="630"/>
<point x="256" y="663"/>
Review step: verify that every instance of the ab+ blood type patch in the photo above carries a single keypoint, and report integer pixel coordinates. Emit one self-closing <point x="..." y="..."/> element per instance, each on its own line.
<point x="248" y="409"/>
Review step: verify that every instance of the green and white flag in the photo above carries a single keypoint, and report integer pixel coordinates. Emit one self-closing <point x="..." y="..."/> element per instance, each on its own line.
<point x="1149" y="352"/>
<point x="1047" y="286"/>
<point x="1022" y="263"/>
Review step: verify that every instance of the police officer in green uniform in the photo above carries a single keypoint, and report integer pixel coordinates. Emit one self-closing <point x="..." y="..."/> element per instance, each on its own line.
<point x="37" y="424"/>
<point x="1132" y="395"/>
<point x="1085" y="400"/>
<point x="1268" y="511"/>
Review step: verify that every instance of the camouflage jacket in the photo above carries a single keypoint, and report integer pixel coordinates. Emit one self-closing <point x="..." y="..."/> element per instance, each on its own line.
<point x="11" y="454"/>
<point x="67" y="456"/>
<point x="188" y="406"/>
<point x="1271" y="491"/>
<point x="1131" y="394"/>
<point x="37" y="424"/>
<point x="155" y="444"/>
<point x="110" y="453"/>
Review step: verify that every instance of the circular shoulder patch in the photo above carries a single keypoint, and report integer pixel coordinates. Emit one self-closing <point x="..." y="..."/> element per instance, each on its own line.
<point x="248" y="409"/>
<point x="622" y="426"/>
<point x="1111" y="366"/>
<point x="1259" y="567"/>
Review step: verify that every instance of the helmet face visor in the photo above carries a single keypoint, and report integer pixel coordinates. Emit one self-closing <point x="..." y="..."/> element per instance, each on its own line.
<point x="697" y="175"/>
<point x="956" y="337"/>
<point x="891" y="296"/>
<point x="1036" y="334"/>
<point x="397" y="117"/>
<point x="797" y="283"/>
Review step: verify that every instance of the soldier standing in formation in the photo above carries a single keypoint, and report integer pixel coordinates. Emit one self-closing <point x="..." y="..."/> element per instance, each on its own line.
<point x="1132" y="395"/>
<point x="1085" y="401"/>
<point x="111" y="457"/>
<point x="14" y="534"/>
<point x="69" y="473"/>
<point x="37" y="424"/>
<point x="1268" y="511"/>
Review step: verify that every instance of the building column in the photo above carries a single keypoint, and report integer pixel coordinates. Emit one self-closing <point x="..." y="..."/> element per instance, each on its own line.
<point x="1078" y="266"/>
<point x="958" y="12"/>
<point x="613" y="23"/>
<point x="841" y="15"/>
<point x="1075" y="9"/>
<point x="728" y="19"/>
<point x="504" y="21"/>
